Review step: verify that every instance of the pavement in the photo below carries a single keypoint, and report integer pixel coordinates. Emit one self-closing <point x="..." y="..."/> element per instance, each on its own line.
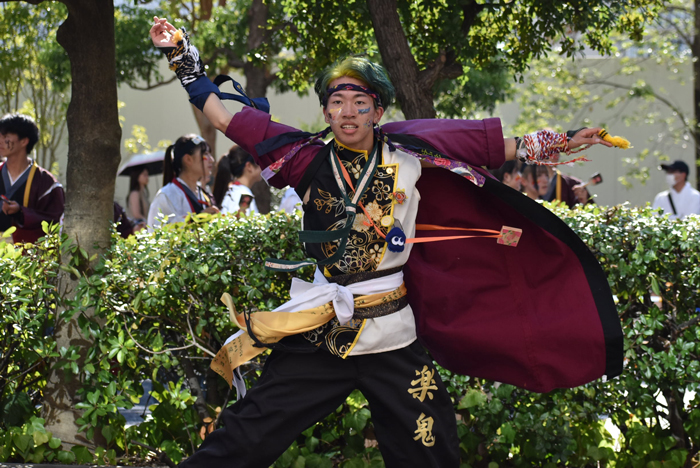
<point x="139" y="413"/>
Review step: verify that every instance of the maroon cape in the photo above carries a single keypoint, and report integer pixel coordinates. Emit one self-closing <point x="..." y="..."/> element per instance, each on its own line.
<point x="539" y="315"/>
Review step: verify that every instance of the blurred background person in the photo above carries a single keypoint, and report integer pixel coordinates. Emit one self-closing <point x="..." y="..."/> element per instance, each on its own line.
<point x="29" y="194"/>
<point x="245" y="172"/>
<point x="290" y="201"/>
<point x="681" y="199"/>
<point x="222" y="180"/>
<point x="542" y="181"/>
<point x="204" y="184"/>
<point x="124" y="226"/>
<point x="137" y="202"/>
<point x="528" y="181"/>
<point x="182" y="169"/>
<point x="509" y="174"/>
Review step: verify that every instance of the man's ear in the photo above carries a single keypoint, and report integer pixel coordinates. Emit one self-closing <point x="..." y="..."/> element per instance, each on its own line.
<point x="326" y="118"/>
<point x="379" y="114"/>
<point x="23" y="142"/>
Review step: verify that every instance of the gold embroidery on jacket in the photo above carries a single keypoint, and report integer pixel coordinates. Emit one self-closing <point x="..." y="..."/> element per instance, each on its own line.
<point x="425" y="430"/>
<point x="423" y="385"/>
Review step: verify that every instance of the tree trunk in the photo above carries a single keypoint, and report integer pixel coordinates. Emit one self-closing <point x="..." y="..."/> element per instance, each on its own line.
<point x="258" y="78"/>
<point x="207" y="130"/>
<point x="94" y="136"/>
<point x="696" y="88"/>
<point x="414" y="97"/>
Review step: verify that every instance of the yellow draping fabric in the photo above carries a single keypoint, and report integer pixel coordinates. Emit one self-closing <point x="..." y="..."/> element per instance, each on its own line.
<point x="28" y="187"/>
<point x="270" y="327"/>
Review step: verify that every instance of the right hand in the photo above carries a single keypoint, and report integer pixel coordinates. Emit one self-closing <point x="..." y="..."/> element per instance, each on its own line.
<point x="161" y="32"/>
<point x="211" y="210"/>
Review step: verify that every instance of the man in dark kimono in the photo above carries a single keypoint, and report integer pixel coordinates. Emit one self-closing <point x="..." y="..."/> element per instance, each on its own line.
<point x="566" y="188"/>
<point x="375" y="294"/>
<point x="29" y="193"/>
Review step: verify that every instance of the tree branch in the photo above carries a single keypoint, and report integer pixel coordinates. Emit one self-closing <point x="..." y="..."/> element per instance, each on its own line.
<point x="152" y="86"/>
<point x="687" y="39"/>
<point x="232" y="60"/>
<point x="657" y="96"/>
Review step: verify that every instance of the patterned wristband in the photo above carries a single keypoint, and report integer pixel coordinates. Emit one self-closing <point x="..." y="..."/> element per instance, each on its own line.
<point x="540" y="147"/>
<point x="184" y="59"/>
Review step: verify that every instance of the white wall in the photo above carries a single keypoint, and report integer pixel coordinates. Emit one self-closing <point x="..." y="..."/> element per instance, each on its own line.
<point x="610" y="162"/>
<point x="166" y="114"/>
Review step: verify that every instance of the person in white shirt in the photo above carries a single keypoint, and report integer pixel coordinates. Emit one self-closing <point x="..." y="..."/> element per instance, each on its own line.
<point x="182" y="168"/>
<point x="681" y="199"/>
<point x="290" y="201"/>
<point x="245" y="172"/>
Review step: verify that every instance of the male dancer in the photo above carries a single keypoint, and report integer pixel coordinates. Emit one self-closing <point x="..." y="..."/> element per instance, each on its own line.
<point x="366" y="194"/>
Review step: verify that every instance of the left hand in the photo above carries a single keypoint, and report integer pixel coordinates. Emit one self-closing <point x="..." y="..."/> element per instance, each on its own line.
<point x="588" y="136"/>
<point x="10" y="207"/>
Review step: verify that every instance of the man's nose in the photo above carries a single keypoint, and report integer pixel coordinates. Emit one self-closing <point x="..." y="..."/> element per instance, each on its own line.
<point x="348" y="110"/>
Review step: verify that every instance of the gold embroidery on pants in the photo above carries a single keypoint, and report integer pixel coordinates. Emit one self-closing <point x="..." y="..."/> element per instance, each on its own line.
<point x="425" y="430"/>
<point x="425" y="383"/>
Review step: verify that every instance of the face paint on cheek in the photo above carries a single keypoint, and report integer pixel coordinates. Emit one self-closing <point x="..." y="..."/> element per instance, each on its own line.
<point x="369" y="123"/>
<point x="364" y="111"/>
<point x="9" y="144"/>
<point x="334" y="114"/>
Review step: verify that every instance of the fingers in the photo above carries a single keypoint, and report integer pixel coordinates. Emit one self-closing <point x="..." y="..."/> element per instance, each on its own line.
<point x="589" y="136"/>
<point x="169" y="26"/>
<point x="163" y="24"/>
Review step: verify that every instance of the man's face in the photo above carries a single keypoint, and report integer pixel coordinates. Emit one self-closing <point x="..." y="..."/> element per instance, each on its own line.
<point x="677" y="176"/>
<point x="352" y="115"/>
<point x="11" y="144"/>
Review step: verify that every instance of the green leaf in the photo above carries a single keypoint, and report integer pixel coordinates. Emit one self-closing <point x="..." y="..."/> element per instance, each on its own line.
<point x="66" y="457"/>
<point x="41" y="437"/>
<point x="472" y="398"/>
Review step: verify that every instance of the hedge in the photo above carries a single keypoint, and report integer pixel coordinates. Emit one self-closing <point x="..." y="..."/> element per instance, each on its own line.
<point x="151" y="308"/>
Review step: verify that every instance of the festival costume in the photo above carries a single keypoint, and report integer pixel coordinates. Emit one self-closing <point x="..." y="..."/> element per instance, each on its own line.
<point x="476" y="308"/>
<point x="174" y="201"/>
<point x="533" y="307"/>
<point x="41" y="197"/>
<point x="561" y="188"/>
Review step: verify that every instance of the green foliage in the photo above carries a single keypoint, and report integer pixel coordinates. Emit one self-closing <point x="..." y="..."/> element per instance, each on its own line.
<point x="27" y="314"/>
<point x="480" y="44"/>
<point x="35" y="73"/>
<point x="559" y="91"/>
<point x="158" y="316"/>
<point x="137" y="60"/>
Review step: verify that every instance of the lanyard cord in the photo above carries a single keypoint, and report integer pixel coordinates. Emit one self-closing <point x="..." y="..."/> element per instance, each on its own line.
<point x="346" y="176"/>
<point x="317" y="237"/>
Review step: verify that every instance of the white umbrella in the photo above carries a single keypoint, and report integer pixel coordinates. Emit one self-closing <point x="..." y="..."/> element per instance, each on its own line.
<point x="151" y="161"/>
